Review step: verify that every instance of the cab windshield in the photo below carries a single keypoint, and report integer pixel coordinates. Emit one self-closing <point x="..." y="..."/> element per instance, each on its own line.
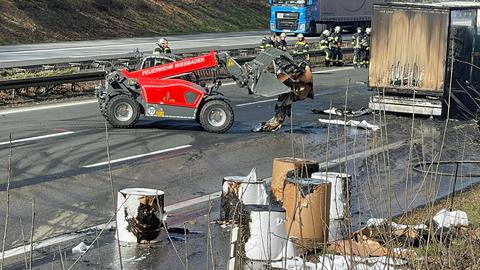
<point x="290" y="2"/>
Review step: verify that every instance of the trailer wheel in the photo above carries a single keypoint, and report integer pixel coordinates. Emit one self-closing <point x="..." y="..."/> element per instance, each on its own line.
<point x="122" y="111"/>
<point x="216" y="116"/>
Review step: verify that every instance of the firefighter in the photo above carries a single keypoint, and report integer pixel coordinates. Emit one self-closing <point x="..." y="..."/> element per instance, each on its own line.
<point x="271" y="41"/>
<point x="264" y="43"/>
<point x="162" y="47"/>
<point x="300" y="49"/>
<point x="335" y="45"/>
<point x="324" y="41"/>
<point x="278" y="43"/>
<point x="365" y="43"/>
<point x="357" y="47"/>
<point x="283" y="42"/>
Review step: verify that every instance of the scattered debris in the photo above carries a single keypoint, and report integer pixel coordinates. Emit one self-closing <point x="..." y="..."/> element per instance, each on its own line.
<point x="80" y="248"/>
<point x="363" y="124"/>
<point x="364" y="248"/>
<point x="342" y="112"/>
<point x="448" y="219"/>
<point x="339" y="262"/>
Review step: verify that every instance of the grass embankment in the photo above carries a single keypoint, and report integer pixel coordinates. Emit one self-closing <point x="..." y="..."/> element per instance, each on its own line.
<point x="25" y="21"/>
<point x="15" y="74"/>
<point x="452" y="249"/>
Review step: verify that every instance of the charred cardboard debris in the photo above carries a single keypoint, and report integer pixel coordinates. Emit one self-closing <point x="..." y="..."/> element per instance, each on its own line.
<point x="309" y="207"/>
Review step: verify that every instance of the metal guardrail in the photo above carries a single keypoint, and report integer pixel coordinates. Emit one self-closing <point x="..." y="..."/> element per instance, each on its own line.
<point x="53" y="80"/>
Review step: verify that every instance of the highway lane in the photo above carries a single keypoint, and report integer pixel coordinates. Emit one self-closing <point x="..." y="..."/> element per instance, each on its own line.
<point x="73" y="51"/>
<point x="70" y="197"/>
<point x="45" y="53"/>
<point x="73" y="138"/>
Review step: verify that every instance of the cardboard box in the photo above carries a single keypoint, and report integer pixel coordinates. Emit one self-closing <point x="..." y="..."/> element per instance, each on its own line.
<point x="281" y="168"/>
<point x="307" y="207"/>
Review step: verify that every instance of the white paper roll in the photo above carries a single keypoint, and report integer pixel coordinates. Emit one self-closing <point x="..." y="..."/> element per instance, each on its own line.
<point x="268" y="238"/>
<point x="338" y="193"/>
<point x="140" y="215"/>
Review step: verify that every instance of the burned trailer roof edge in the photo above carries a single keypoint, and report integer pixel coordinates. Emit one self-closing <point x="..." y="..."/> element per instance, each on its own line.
<point x="443" y="5"/>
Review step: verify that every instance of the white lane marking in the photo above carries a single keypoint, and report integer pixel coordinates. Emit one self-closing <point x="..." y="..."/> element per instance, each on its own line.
<point x="72" y="236"/>
<point x="229" y="83"/>
<point x="332" y="70"/>
<point x="138" y="156"/>
<point x="194" y="201"/>
<point x="367" y="153"/>
<point x="127" y="45"/>
<point x="256" y="102"/>
<point x="38" y="137"/>
<point x="49" y="106"/>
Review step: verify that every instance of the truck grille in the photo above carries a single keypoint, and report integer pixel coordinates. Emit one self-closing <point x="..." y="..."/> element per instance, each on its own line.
<point x="287" y="21"/>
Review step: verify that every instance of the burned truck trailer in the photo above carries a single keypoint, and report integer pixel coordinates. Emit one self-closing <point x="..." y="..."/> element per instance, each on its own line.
<point x="425" y="58"/>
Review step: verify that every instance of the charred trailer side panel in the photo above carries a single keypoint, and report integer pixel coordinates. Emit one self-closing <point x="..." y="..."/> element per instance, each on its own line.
<point x="412" y="48"/>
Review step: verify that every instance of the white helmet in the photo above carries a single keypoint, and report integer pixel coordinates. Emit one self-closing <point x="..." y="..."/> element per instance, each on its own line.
<point x="300" y="35"/>
<point x="337" y="29"/>
<point x="283" y="35"/>
<point x="161" y="41"/>
<point x="368" y="30"/>
<point x="326" y="32"/>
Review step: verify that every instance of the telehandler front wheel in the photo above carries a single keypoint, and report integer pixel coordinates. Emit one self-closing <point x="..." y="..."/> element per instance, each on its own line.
<point x="122" y="111"/>
<point x="216" y="116"/>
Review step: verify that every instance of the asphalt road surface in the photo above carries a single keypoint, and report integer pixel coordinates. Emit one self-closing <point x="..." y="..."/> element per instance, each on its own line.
<point x="59" y="154"/>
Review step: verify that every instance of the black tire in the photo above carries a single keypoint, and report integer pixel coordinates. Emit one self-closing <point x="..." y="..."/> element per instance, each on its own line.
<point x="101" y="105"/>
<point x="223" y="119"/>
<point x="312" y="29"/>
<point x="122" y="104"/>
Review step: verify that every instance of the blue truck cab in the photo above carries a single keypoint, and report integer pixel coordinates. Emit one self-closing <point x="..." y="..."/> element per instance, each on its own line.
<point x="294" y="16"/>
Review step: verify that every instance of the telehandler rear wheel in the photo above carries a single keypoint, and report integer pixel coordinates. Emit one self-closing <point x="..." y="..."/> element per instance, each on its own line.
<point x="122" y="111"/>
<point x="216" y="116"/>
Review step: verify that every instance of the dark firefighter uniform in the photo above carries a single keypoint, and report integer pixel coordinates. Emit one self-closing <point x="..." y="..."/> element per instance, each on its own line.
<point x="300" y="50"/>
<point x="357" y="47"/>
<point x="162" y="50"/>
<point x="325" y="48"/>
<point x="335" y="45"/>
<point x="365" y="43"/>
<point x="281" y="45"/>
<point x="266" y="43"/>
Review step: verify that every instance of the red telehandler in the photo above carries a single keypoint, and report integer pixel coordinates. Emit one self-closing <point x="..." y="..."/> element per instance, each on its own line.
<point x="172" y="90"/>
